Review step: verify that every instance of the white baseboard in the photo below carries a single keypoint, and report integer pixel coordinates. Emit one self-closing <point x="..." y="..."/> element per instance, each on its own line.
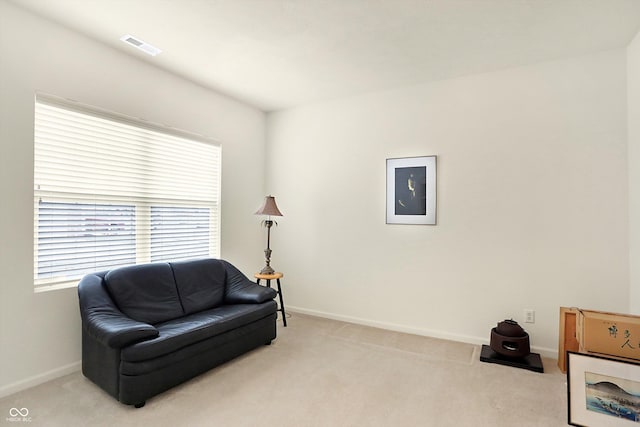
<point x="543" y="351"/>
<point x="40" y="378"/>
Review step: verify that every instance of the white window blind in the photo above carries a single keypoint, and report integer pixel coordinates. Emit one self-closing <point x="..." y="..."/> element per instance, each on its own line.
<point x="110" y="191"/>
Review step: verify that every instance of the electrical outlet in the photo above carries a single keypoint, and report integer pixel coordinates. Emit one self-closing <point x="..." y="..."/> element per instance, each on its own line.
<point x="529" y="316"/>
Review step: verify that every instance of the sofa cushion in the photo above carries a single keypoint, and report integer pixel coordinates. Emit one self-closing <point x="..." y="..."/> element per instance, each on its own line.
<point x="200" y="283"/>
<point x="146" y="293"/>
<point x="201" y="355"/>
<point x="178" y="333"/>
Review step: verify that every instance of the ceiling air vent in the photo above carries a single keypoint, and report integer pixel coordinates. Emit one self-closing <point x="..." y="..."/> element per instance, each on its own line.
<point x="143" y="46"/>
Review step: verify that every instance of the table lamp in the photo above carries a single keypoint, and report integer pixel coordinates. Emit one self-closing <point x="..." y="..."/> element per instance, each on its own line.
<point x="270" y="209"/>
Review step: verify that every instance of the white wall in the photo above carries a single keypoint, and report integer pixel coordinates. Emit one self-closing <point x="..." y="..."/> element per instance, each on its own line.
<point x="532" y="201"/>
<point x="633" y="126"/>
<point x="40" y="333"/>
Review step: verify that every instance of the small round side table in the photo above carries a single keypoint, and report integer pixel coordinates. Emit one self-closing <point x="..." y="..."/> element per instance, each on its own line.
<point x="269" y="277"/>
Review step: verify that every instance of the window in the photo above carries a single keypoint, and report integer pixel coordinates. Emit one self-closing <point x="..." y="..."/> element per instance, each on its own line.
<point x="110" y="191"/>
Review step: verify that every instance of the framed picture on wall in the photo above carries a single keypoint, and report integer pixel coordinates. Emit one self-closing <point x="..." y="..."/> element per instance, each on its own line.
<point x="602" y="391"/>
<point x="411" y="190"/>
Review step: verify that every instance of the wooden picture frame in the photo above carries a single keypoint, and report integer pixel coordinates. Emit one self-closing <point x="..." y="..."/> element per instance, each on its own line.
<point x="598" y="332"/>
<point x="567" y="337"/>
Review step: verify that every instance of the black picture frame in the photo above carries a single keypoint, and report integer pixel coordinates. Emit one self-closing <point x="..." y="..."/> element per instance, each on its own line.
<point x="602" y="391"/>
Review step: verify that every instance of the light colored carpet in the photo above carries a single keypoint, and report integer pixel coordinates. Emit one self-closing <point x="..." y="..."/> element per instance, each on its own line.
<point x="322" y="372"/>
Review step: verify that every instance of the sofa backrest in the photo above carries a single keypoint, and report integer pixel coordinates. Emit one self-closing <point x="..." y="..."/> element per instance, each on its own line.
<point x="145" y="292"/>
<point x="200" y="283"/>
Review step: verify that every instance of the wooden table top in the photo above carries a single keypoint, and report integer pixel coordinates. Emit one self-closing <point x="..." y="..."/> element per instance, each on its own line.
<point x="276" y="275"/>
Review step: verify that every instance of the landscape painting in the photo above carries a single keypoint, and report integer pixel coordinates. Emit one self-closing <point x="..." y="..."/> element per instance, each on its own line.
<point x="612" y="396"/>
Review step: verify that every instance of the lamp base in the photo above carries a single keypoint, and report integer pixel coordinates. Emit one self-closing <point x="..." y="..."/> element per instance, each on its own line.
<point x="267" y="270"/>
<point x="267" y="259"/>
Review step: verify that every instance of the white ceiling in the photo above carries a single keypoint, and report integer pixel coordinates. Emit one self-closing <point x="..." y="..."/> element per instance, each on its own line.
<point x="276" y="54"/>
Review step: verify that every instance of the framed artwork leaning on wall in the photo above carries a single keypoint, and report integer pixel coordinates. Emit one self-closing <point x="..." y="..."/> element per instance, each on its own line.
<point x="602" y="391"/>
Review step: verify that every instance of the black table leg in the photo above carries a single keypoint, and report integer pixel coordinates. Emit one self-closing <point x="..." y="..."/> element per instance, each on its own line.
<point x="284" y="315"/>
<point x="281" y="309"/>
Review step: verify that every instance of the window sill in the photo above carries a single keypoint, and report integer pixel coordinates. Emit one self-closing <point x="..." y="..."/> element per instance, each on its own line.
<point x="47" y="288"/>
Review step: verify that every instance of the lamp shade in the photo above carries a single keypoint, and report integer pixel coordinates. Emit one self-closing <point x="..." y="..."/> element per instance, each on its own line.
<point x="269" y="208"/>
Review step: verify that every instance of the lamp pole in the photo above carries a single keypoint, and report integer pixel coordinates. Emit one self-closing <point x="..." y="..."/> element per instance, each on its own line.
<point x="267" y="252"/>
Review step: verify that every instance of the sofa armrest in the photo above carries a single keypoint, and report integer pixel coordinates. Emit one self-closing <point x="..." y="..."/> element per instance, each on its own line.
<point x="104" y="321"/>
<point x="240" y="290"/>
<point x="249" y="293"/>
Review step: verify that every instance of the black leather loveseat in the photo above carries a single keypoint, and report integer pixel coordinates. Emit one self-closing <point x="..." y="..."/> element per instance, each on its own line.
<point x="149" y="327"/>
